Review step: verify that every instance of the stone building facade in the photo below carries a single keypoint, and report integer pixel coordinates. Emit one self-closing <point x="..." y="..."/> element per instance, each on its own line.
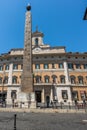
<point x="57" y="74"/>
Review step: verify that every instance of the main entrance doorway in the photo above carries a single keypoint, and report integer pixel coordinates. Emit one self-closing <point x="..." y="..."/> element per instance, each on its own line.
<point x="38" y="96"/>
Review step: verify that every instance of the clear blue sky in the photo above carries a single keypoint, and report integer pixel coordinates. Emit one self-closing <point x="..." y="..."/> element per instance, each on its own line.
<point x="61" y="21"/>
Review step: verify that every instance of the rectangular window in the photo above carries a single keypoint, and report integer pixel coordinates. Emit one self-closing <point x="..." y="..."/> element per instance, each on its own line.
<point x="85" y="66"/>
<point x="60" y="65"/>
<point x="74" y="95"/>
<point x="0" y="80"/>
<point x="83" y="95"/>
<point x="70" y="65"/>
<point x="1" y="68"/>
<point x="78" y="66"/>
<point x="45" y="66"/>
<point x="15" y="67"/>
<point x="53" y="66"/>
<point x="37" y="66"/>
<point x="64" y="94"/>
<point x="5" y="80"/>
<point x="7" y="67"/>
<point x="13" y="94"/>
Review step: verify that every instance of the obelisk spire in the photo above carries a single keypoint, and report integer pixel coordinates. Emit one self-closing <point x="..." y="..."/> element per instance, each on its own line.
<point x="85" y="15"/>
<point x="27" y="79"/>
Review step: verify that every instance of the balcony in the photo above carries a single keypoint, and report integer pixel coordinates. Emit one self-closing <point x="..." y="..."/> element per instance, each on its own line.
<point x="42" y="83"/>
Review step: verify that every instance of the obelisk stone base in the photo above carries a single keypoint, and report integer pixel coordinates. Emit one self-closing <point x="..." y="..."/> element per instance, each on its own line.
<point x="33" y="101"/>
<point x="26" y="100"/>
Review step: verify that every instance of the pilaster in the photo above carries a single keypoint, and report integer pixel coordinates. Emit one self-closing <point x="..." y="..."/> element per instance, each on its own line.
<point x="43" y="99"/>
<point x="66" y="73"/>
<point x="51" y="94"/>
<point x="10" y="74"/>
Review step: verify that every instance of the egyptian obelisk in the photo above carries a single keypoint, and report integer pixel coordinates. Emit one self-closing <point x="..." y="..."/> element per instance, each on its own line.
<point x="27" y="79"/>
<point x="27" y="94"/>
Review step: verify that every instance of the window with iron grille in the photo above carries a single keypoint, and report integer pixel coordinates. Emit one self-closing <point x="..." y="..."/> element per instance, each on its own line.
<point x="64" y="94"/>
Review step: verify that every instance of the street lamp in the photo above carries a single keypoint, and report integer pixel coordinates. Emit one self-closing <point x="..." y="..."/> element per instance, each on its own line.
<point x="85" y="15"/>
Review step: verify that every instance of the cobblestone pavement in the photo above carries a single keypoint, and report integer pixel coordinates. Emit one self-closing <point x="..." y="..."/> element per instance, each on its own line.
<point x="43" y="121"/>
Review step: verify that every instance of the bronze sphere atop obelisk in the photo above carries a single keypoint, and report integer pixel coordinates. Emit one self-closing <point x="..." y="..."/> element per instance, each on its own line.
<point x="28" y="7"/>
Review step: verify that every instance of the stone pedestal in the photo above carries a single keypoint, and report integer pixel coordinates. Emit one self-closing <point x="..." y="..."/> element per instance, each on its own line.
<point x="32" y="100"/>
<point x="26" y="100"/>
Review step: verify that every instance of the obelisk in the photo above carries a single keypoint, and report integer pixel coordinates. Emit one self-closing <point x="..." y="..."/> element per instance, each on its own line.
<point x="27" y="79"/>
<point x="85" y="15"/>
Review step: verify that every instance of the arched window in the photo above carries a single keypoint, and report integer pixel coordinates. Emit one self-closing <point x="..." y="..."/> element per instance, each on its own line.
<point x="72" y="78"/>
<point x="80" y="79"/>
<point x="5" y="80"/>
<point x="0" y="80"/>
<point x="14" y="79"/>
<point x="36" y="41"/>
<point x="54" y="78"/>
<point x="38" y="79"/>
<point x="62" y="79"/>
<point x="46" y="79"/>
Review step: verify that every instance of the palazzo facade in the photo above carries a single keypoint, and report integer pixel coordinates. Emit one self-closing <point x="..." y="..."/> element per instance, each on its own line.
<point x="57" y="74"/>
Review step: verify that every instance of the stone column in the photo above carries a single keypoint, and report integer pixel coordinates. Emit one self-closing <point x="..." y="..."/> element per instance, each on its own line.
<point x="66" y="73"/>
<point x="43" y="95"/>
<point x="10" y="74"/>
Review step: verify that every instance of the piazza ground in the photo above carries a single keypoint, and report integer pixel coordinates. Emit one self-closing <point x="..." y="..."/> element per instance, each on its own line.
<point x="43" y="121"/>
